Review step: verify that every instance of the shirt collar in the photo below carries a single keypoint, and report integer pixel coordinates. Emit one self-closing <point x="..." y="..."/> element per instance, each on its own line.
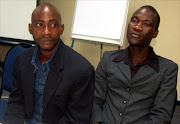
<point x="35" y="58"/>
<point x="151" y="60"/>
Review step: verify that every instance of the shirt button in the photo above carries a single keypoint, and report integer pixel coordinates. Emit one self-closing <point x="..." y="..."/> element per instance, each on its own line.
<point x="120" y="114"/>
<point x="41" y="87"/>
<point x="125" y="101"/>
<point x="128" y="89"/>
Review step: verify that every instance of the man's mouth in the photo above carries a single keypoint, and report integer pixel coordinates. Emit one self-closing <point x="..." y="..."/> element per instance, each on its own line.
<point x="135" y="35"/>
<point x="46" y="39"/>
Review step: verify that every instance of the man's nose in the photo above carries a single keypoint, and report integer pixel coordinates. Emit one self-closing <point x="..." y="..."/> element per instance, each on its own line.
<point x="46" y="30"/>
<point x="138" y="27"/>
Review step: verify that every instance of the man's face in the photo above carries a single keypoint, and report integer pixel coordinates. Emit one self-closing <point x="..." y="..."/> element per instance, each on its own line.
<point x="141" y="28"/>
<point x="46" y="28"/>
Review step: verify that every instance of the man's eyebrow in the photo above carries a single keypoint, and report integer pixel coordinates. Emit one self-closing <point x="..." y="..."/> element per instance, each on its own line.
<point x="38" y="20"/>
<point x="147" y="21"/>
<point x="134" y="17"/>
<point x="143" y="20"/>
<point x="52" y="20"/>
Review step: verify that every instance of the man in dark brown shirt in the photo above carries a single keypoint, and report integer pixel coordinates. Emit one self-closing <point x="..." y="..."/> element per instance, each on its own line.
<point x="135" y="86"/>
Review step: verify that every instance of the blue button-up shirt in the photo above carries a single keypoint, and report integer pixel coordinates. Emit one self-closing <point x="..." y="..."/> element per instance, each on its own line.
<point x="41" y="71"/>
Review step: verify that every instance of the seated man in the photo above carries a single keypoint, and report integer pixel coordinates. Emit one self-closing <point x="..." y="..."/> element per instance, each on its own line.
<point x="52" y="83"/>
<point x="134" y="85"/>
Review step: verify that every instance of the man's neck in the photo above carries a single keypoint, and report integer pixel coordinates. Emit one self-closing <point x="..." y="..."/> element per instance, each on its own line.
<point x="138" y="54"/>
<point x="44" y="56"/>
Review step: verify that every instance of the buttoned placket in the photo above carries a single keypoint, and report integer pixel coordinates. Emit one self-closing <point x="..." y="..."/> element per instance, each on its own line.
<point x="125" y="101"/>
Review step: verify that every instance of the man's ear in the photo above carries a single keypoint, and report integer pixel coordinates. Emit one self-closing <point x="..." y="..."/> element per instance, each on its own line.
<point x="62" y="28"/>
<point x="155" y="33"/>
<point x="30" y="29"/>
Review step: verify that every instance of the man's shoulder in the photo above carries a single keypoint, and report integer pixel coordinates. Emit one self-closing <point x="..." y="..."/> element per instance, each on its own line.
<point x="110" y="55"/>
<point x="165" y="62"/>
<point x="26" y="53"/>
<point x="76" y="58"/>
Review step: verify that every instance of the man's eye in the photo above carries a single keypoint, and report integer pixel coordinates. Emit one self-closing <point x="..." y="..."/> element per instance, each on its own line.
<point x="146" y="24"/>
<point x="133" y="20"/>
<point x="53" y="25"/>
<point x="38" y="24"/>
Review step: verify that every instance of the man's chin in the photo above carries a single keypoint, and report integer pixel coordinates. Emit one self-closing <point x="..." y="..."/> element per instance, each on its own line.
<point x="47" y="47"/>
<point x="138" y="45"/>
<point x="43" y="48"/>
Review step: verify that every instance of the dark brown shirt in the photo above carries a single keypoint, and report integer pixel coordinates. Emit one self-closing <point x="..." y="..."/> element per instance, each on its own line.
<point x="151" y="60"/>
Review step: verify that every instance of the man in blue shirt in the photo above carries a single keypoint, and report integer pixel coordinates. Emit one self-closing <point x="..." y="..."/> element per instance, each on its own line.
<point x="52" y="83"/>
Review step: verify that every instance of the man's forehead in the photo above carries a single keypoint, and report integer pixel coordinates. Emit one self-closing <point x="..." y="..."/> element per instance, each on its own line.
<point x="144" y="12"/>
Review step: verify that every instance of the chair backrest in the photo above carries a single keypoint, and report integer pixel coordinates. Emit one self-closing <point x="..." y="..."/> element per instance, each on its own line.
<point x="9" y="64"/>
<point x="3" y="106"/>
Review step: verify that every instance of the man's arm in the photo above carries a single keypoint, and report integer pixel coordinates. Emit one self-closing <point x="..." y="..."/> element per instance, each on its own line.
<point x="79" y="106"/>
<point x="99" y="93"/>
<point x="15" y="110"/>
<point x="162" y="110"/>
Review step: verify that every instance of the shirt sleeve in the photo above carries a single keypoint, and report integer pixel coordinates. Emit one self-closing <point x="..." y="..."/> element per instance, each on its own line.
<point x="162" y="110"/>
<point x="100" y="91"/>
